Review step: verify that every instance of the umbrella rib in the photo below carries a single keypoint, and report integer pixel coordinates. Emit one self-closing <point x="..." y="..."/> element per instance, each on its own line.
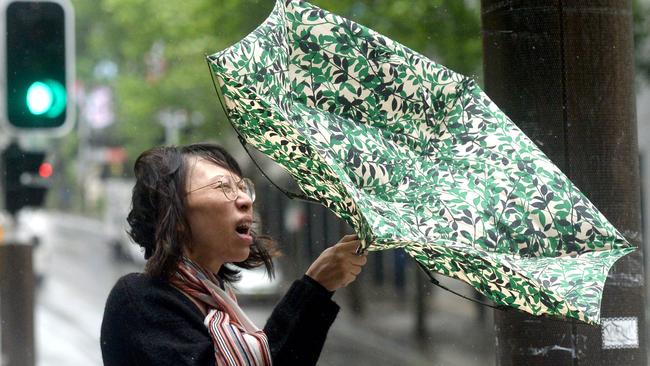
<point x="437" y="283"/>
<point x="291" y="195"/>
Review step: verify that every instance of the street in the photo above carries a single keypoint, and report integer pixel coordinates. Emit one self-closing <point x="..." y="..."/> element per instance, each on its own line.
<point x="79" y="270"/>
<point x="78" y="274"/>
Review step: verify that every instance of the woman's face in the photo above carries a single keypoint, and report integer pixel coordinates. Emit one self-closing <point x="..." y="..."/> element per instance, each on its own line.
<point x="220" y="226"/>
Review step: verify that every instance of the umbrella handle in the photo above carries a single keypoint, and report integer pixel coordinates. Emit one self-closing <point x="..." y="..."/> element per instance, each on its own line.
<point x="360" y="251"/>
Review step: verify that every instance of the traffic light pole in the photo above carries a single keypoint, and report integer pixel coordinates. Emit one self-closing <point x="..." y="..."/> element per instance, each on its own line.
<point x="563" y="70"/>
<point x="36" y="97"/>
<point x="16" y="291"/>
<point x="16" y="305"/>
<point x="3" y="177"/>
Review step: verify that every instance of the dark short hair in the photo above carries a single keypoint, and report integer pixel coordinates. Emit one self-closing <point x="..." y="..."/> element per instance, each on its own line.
<point x="157" y="218"/>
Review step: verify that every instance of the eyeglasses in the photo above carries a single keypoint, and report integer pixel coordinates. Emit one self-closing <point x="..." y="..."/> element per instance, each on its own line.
<point x="231" y="187"/>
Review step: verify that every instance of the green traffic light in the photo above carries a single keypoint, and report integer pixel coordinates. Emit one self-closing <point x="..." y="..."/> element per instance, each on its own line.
<point x="39" y="98"/>
<point x="46" y="97"/>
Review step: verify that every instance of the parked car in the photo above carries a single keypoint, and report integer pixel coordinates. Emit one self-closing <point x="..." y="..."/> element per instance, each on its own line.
<point x="255" y="285"/>
<point x="118" y="204"/>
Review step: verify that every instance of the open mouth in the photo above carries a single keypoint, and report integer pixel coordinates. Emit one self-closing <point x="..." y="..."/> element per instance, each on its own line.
<point x="243" y="229"/>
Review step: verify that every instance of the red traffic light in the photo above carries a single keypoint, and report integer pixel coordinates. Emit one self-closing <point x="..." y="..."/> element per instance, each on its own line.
<point x="24" y="178"/>
<point x="45" y="170"/>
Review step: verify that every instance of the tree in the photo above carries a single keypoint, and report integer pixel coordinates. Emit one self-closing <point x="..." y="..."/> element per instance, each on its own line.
<point x="159" y="49"/>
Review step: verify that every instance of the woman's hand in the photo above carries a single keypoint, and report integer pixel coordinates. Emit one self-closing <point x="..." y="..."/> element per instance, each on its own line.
<point x="338" y="265"/>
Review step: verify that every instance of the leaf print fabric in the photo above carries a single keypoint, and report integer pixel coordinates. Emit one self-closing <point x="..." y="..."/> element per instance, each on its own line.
<point x="414" y="155"/>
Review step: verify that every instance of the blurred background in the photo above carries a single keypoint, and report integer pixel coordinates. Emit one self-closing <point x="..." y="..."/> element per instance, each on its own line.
<point x="142" y="80"/>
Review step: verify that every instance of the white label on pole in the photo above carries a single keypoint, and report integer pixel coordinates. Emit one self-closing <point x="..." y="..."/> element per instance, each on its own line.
<point x="620" y="333"/>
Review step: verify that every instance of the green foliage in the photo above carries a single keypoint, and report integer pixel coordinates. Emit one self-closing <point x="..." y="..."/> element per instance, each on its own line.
<point x="126" y="31"/>
<point x="447" y="31"/>
<point x="129" y="32"/>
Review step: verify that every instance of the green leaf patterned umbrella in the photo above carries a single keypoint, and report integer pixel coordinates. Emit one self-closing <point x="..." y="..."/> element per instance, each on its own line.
<point x="414" y="155"/>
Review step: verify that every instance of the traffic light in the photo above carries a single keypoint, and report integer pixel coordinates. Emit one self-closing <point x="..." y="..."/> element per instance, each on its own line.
<point x="27" y="178"/>
<point x="38" y="70"/>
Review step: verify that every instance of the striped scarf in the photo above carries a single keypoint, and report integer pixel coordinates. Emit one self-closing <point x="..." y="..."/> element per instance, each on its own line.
<point x="237" y="341"/>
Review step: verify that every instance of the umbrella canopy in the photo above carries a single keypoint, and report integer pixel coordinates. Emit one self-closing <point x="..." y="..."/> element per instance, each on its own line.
<point x="414" y="155"/>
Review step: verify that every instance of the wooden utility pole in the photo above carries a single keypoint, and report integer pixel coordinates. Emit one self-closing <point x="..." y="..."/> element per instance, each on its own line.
<point x="563" y="70"/>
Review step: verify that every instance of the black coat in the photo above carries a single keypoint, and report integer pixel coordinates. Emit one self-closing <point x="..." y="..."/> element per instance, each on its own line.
<point x="149" y="322"/>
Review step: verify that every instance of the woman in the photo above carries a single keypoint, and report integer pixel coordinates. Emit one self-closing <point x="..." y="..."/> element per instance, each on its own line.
<point x="192" y="213"/>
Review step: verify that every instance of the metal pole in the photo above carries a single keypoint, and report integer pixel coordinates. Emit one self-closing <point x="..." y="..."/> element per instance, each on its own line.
<point x="355" y="289"/>
<point x="563" y="71"/>
<point x="421" y="294"/>
<point x="82" y="158"/>
<point x="17" y="305"/>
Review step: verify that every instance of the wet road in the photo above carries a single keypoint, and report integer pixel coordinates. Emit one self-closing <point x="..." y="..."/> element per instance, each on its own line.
<point x="78" y="271"/>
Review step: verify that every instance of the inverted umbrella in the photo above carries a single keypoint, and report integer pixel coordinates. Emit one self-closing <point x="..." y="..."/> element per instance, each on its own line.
<point x="414" y="155"/>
